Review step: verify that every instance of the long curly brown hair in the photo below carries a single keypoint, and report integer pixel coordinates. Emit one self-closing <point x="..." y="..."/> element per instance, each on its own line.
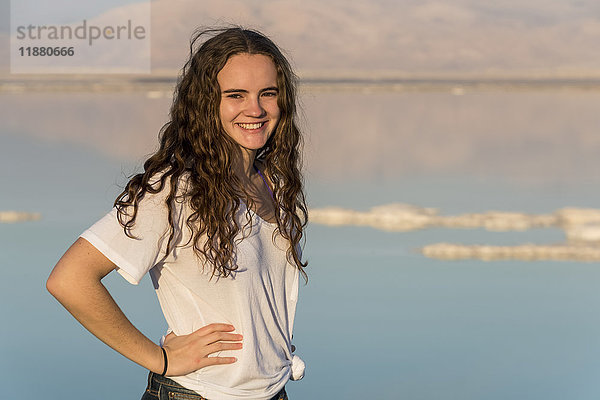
<point x="194" y="143"/>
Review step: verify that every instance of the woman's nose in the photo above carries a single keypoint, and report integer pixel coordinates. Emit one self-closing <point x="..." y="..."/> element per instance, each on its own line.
<point x="254" y="108"/>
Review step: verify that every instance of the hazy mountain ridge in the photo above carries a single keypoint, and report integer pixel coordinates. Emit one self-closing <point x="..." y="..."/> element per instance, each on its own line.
<point x="409" y="36"/>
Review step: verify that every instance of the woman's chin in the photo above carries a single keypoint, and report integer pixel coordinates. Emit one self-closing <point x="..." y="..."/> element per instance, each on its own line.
<point x="252" y="145"/>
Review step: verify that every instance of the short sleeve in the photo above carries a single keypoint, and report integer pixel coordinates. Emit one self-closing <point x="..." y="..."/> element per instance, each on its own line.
<point x="134" y="256"/>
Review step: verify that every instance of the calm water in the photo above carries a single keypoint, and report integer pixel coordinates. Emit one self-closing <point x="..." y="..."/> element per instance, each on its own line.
<point x="376" y="320"/>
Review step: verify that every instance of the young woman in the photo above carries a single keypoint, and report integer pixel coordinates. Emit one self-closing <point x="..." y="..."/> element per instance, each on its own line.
<point x="216" y="218"/>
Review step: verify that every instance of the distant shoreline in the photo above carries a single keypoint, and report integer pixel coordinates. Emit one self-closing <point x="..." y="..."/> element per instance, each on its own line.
<point x="25" y="83"/>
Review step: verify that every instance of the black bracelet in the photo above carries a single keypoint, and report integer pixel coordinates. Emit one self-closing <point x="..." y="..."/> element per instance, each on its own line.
<point x="166" y="361"/>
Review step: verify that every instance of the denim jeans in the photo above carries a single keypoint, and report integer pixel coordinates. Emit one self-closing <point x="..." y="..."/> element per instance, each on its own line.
<point x="161" y="388"/>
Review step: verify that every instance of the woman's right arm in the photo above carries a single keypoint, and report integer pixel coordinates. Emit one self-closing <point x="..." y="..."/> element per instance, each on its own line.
<point x="76" y="283"/>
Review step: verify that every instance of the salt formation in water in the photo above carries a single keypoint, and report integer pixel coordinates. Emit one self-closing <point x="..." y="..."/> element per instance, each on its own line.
<point x="583" y="233"/>
<point x="525" y="252"/>
<point x="17" y="216"/>
<point x="405" y="217"/>
<point x="581" y="227"/>
<point x="390" y="217"/>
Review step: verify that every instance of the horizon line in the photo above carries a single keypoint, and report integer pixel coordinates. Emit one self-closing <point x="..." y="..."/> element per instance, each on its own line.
<point x="166" y="80"/>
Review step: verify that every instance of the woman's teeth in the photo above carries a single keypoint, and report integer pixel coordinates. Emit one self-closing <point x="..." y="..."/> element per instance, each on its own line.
<point x="251" y="126"/>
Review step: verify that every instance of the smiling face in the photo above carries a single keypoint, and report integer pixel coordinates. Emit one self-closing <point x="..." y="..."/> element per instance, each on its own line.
<point x="249" y="111"/>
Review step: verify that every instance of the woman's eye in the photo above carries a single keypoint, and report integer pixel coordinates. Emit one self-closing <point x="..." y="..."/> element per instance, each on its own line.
<point x="270" y="94"/>
<point x="234" y="96"/>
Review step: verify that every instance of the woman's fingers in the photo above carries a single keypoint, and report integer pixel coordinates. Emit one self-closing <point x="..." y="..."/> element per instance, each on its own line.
<point x="219" y="360"/>
<point x="188" y="353"/>
<point x="216" y="327"/>
<point x="220" y="346"/>
<point x="221" y="336"/>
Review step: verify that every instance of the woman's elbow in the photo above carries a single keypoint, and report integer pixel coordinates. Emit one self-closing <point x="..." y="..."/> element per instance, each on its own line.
<point x="80" y="268"/>
<point x="55" y="284"/>
<point x="62" y="280"/>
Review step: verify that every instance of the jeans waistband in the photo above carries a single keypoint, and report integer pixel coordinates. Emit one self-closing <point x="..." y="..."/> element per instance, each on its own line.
<point x="155" y="381"/>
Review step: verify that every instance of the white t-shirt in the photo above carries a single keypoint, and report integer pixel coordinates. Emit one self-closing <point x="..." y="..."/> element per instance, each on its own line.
<point x="258" y="299"/>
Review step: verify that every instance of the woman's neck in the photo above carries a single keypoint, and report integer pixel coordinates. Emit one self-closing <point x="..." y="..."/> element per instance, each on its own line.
<point x="243" y="165"/>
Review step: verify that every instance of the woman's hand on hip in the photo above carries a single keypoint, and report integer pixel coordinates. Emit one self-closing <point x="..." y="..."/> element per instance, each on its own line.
<point x="188" y="353"/>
